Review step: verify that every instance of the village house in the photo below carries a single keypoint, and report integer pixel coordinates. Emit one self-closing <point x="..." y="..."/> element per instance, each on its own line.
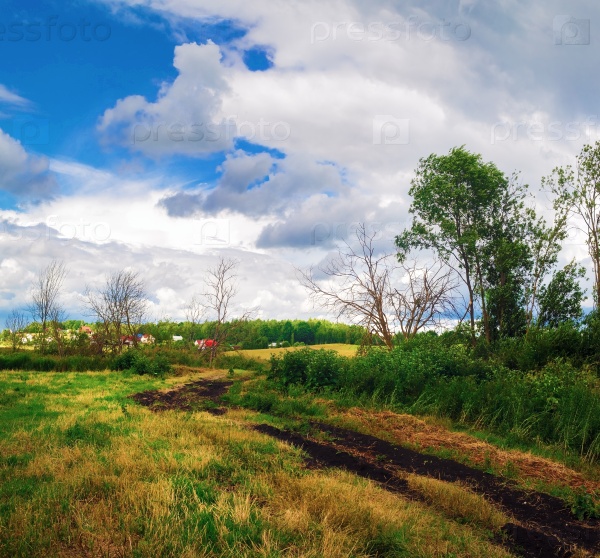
<point x="145" y="338"/>
<point x="204" y="344"/>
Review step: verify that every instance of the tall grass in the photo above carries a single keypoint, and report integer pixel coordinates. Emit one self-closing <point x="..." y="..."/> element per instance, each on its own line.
<point x="28" y="360"/>
<point x="558" y="404"/>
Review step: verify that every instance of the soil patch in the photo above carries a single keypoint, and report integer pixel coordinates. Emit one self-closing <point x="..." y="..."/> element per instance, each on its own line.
<point x="545" y="527"/>
<point x="548" y="528"/>
<point x="199" y="395"/>
<point x="402" y="428"/>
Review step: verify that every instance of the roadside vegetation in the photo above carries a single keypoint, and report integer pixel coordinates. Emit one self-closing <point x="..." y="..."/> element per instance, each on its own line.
<point x="459" y="414"/>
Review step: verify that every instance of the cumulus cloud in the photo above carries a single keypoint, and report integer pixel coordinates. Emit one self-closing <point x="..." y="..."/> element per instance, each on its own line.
<point x="185" y="116"/>
<point x="357" y="93"/>
<point x="171" y="276"/>
<point x="259" y="185"/>
<point x="322" y="223"/>
<point x="26" y="176"/>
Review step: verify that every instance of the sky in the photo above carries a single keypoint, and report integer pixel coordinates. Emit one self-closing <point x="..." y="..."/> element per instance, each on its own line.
<point x="161" y="135"/>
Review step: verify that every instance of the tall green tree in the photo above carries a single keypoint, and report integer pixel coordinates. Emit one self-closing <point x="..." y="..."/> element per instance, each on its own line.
<point x="577" y="192"/>
<point x="454" y="197"/>
<point x="560" y="300"/>
<point x="506" y="260"/>
<point x="545" y="243"/>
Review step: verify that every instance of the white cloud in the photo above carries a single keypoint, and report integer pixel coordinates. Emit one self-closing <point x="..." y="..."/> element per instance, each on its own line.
<point x="185" y="116"/>
<point x="22" y="174"/>
<point x="10" y="98"/>
<point x="171" y="276"/>
<point x="329" y="104"/>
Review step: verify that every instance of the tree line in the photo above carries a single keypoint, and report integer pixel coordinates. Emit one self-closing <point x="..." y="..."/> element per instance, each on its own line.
<point x="478" y="253"/>
<point x="119" y="314"/>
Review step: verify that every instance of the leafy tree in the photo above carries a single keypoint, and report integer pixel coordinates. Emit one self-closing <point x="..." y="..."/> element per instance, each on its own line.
<point x="577" y="193"/>
<point x="560" y="300"/>
<point x="287" y="331"/>
<point x="303" y="333"/>
<point x="73" y="325"/>
<point x="545" y="244"/>
<point x="506" y="261"/>
<point x="454" y="199"/>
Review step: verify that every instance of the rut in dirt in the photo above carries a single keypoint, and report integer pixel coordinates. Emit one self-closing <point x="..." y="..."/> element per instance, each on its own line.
<point x="551" y="530"/>
<point x="547" y="528"/>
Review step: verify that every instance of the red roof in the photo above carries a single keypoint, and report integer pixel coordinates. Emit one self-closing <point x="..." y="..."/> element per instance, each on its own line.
<point x="206" y="343"/>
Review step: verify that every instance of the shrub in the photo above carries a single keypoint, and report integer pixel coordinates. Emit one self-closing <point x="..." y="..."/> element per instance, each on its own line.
<point x="124" y="361"/>
<point x="234" y="360"/>
<point x="141" y="363"/>
<point x="161" y="365"/>
<point x="314" y="369"/>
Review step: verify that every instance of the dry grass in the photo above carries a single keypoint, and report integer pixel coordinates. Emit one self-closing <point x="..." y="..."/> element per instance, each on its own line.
<point x="458" y="502"/>
<point x="407" y="429"/>
<point x="94" y="475"/>
<point x="336" y="515"/>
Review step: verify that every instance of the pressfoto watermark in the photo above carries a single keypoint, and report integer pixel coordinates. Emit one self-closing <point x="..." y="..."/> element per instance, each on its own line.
<point x="262" y="130"/>
<point x="390" y="130"/>
<point x="556" y="130"/>
<point x="326" y="233"/>
<point x="54" y="29"/>
<point x="412" y="29"/>
<point x="54" y="227"/>
<point x="30" y="130"/>
<point x="213" y="232"/>
<point x="569" y="30"/>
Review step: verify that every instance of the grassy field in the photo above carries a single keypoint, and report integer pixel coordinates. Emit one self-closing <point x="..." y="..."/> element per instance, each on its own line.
<point x="265" y="354"/>
<point x="85" y="471"/>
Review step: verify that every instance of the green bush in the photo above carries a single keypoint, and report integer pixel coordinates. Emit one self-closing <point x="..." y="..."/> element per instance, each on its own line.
<point x="236" y="360"/>
<point x="124" y="361"/>
<point x="552" y="400"/>
<point x="161" y="365"/>
<point x="313" y="369"/>
<point x="140" y="362"/>
<point x="28" y="360"/>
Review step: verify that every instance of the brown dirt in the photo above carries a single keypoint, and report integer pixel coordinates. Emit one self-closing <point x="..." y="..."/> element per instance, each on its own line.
<point x="543" y="528"/>
<point x="188" y="397"/>
<point x="546" y="528"/>
<point x="403" y="429"/>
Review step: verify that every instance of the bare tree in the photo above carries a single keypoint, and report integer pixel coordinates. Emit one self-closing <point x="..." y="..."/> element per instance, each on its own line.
<point x="45" y="307"/>
<point x="194" y="312"/>
<point x="120" y="306"/>
<point x="16" y="323"/>
<point x="220" y="290"/>
<point x="427" y="297"/>
<point x="358" y="284"/>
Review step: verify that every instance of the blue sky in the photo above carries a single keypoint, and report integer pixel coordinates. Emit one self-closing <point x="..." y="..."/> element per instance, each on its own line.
<point x="131" y="129"/>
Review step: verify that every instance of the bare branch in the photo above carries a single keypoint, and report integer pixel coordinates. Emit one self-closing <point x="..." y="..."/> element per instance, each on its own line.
<point x="358" y="287"/>
<point x="428" y="296"/>
<point x="16" y="323"/>
<point x="45" y="306"/>
<point x="120" y="306"/>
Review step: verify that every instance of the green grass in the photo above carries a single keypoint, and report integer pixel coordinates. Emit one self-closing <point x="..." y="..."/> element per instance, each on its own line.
<point x="85" y="471"/>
